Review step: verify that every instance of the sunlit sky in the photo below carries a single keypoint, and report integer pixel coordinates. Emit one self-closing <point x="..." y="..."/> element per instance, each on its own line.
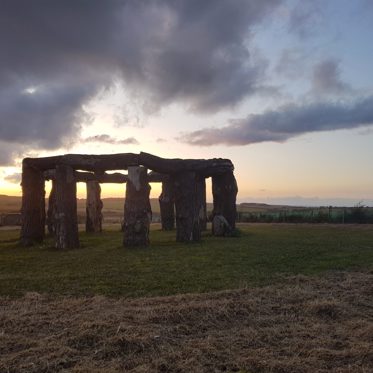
<point x="282" y="88"/>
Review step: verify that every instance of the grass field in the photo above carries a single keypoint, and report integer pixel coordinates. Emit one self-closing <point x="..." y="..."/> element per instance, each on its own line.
<point x="259" y="255"/>
<point x="276" y="298"/>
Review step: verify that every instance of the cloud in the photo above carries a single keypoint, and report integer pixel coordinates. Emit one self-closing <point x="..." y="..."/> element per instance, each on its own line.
<point x="57" y="55"/>
<point x="305" y="18"/>
<point x="107" y="139"/>
<point x="14" y="178"/>
<point x="9" y="153"/>
<point x="286" y="122"/>
<point x="45" y="116"/>
<point x="291" y="63"/>
<point x="326" y="78"/>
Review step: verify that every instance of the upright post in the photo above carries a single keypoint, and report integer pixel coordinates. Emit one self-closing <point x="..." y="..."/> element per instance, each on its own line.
<point x="224" y="191"/>
<point x="201" y="201"/>
<point x="67" y="236"/>
<point x="33" y="205"/>
<point x="93" y="207"/>
<point x="137" y="209"/>
<point x="186" y="204"/>
<point x="167" y="205"/>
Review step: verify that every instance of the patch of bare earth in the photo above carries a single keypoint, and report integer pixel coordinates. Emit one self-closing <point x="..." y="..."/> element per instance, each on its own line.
<point x="301" y="325"/>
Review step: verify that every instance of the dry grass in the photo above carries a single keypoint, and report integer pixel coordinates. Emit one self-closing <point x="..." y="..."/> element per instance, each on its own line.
<point x="304" y="324"/>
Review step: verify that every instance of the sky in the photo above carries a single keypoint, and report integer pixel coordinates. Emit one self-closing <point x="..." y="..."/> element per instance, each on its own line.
<point x="283" y="88"/>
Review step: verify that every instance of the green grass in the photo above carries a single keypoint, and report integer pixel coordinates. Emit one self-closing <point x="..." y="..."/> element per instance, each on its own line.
<point x="260" y="254"/>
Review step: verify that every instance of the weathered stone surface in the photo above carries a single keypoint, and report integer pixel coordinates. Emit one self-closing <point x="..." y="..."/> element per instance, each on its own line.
<point x="201" y="202"/>
<point x="66" y="220"/>
<point x="33" y="206"/>
<point x="188" y="181"/>
<point x="167" y="205"/>
<point x="186" y="204"/>
<point x="137" y="209"/>
<point x="93" y="207"/>
<point x="220" y="226"/>
<point x="224" y="191"/>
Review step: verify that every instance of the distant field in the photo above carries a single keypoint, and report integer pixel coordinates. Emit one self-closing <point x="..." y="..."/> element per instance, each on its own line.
<point x="259" y="255"/>
<point x="13" y="204"/>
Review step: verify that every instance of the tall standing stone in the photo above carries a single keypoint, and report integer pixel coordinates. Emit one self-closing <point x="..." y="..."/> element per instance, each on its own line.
<point x="167" y="205"/>
<point x="137" y="209"/>
<point x="93" y="207"/>
<point x="33" y="205"/>
<point x="186" y="204"/>
<point x="201" y="201"/>
<point x="224" y="191"/>
<point x="66" y="218"/>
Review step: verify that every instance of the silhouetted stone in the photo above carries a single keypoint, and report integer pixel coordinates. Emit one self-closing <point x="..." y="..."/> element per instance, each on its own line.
<point x="188" y="180"/>
<point x="220" y="226"/>
<point x="93" y="207"/>
<point x="224" y="191"/>
<point x="201" y="202"/>
<point x="66" y="220"/>
<point x="137" y="209"/>
<point x="186" y="204"/>
<point x="167" y="205"/>
<point x="33" y="205"/>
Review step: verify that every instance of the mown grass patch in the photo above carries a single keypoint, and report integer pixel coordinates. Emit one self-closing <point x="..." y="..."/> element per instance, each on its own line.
<point x="259" y="255"/>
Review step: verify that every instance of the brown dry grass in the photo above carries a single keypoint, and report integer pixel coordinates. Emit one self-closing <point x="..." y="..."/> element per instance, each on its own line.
<point x="301" y="325"/>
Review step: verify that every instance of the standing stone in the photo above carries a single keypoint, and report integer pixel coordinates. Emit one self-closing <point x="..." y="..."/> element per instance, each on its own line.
<point x="94" y="207"/>
<point x="33" y="206"/>
<point x="167" y="205"/>
<point x="224" y="191"/>
<point x="186" y="204"/>
<point x="220" y="226"/>
<point x="67" y="236"/>
<point x="51" y="212"/>
<point x="137" y="209"/>
<point x="201" y="201"/>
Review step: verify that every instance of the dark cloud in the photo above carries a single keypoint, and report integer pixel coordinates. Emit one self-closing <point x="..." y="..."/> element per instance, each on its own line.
<point x="326" y="78"/>
<point x="57" y="54"/>
<point x="107" y="139"/>
<point x="45" y="116"/>
<point x="287" y="122"/>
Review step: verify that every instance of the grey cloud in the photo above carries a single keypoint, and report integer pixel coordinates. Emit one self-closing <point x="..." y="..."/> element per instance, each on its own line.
<point x="9" y="153"/>
<point x="110" y="140"/>
<point x="14" y="178"/>
<point x="291" y="63"/>
<point x="287" y="122"/>
<point x="326" y="78"/>
<point x="190" y="51"/>
<point x="305" y="17"/>
<point x="46" y="117"/>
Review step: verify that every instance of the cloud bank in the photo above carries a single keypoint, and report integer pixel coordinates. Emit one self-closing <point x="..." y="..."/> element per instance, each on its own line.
<point x="57" y="55"/>
<point x="287" y="122"/>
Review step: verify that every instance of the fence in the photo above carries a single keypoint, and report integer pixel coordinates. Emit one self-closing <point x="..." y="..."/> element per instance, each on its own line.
<point x="335" y="215"/>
